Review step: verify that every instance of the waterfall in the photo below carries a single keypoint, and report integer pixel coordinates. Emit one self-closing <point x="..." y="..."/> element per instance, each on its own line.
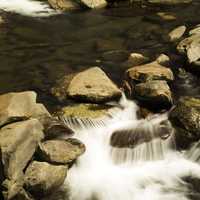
<point x="31" y="8"/>
<point x="128" y="158"/>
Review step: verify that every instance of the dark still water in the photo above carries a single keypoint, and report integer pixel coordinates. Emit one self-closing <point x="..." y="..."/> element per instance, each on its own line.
<point x="35" y="52"/>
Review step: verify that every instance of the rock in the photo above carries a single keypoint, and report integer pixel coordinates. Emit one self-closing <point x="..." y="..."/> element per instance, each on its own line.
<point x="155" y="93"/>
<point x="166" y="16"/>
<point x="115" y="56"/>
<point x="64" y="4"/>
<point x="150" y="71"/>
<point x="18" y="142"/>
<point x="55" y="128"/>
<point x="169" y="2"/>
<point x="163" y="60"/>
<point x="177" y="33"/>
<point x="94" y="3"/>
<point x="136" y="59"/>
<point x="91" y="85"/>
<point x="18" y="106"/>
<point x="195" y="31"/>
<point x="85" y="110"/>
<point x="186" y="119"/>
<point x="61" y="151"/>
<point x="42" y="178"/>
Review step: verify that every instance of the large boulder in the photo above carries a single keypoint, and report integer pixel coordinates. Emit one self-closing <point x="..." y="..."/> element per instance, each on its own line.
<point x="61" y="151"/>
<point x="42" y="178"/>
<point x="18" y="142"/>
<point x="18" y="106"/>
<point x="91" y="85"/>
<point x="155" y="93"/>
<point x="186" y="118"/>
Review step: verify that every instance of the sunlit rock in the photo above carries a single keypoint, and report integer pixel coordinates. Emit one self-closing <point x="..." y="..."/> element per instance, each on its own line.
<point x="176" y="33"/>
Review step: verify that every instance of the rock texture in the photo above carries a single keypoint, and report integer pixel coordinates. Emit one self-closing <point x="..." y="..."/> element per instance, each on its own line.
<point x="61" y="151"/>
<point x="19" y="106"/>
<point x="186" y="118"/>
<point x="64" y="4"/>
<point x="177" y="33"/>
<point x="42" y="178"/>
<point x="18" y="142"/>
<point x="91" y="85"/>
<point x="156" y="93"/>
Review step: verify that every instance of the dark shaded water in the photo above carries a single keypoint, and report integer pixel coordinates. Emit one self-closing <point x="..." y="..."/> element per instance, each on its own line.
<point x="35" y="52"/>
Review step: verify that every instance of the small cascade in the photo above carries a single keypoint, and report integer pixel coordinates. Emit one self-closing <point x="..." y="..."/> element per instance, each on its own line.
<point x="31" y="8"/>
<point x="129" y="158"/>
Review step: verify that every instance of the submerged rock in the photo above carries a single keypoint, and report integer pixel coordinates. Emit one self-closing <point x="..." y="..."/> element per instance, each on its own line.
<point x="169" y="2"/>
<point x="85" y="110"/>
<point x="91" y="85"/>
<point x="42" y="178"/>
<point x="155" y="93"/>
<point x="61" y="151"/>
<point x="19" y="106"/>
<point x="186" y="118"/>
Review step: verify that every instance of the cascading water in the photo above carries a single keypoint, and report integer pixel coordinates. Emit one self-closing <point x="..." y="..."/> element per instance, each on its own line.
<point x="27" y="7"/>
<point x="148" y="168"/>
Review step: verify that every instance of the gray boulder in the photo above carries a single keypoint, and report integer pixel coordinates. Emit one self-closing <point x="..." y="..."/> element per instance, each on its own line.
<point x="42" y="178"/>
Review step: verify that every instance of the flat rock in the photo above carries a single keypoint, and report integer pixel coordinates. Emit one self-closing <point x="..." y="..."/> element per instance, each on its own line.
<point x="155" y="93"/>
<point x="186" y="118"/>
<point x="61" y="151"/>
<point x="91" y="85"/>
<point x="18" y="142"/>
<point x="42" y="178"/>
<point x="150" y="71"/>
<point x="22" y="105"/>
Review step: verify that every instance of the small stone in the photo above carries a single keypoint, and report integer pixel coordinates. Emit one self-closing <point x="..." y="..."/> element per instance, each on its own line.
<point x="163" y="60"/>
<point x="137" y="59"/>
<point x="177" y="33"/>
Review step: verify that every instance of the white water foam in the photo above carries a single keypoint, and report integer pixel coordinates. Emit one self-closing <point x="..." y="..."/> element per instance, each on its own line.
<point x="31" y="8"/>
<point x="97" y="175"/>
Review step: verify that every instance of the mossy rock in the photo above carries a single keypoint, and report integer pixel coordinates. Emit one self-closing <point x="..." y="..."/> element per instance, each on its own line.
<point x="85" y="110"/>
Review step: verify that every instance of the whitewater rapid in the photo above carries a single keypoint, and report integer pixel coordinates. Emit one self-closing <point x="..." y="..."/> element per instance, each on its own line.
<point x="150" y="170"/>
<point x="31" y="8"/>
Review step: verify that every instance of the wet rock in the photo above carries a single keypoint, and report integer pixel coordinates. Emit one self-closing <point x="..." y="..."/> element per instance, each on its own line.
<point x="136" y="59"/>
<point x="64" y="4"/>
<point x="195" y="31"/>
<point x="18" y="142"/>
<point x="85" y="110"/>
<point x="186" y="119"/>
<point x="154" y="93"/>
<point x="42" y="178"/>
<point x="169" y="2"/>
<point x="19" y="106"/>
<point x="166" y="16"/>
<point x="61" y="151"/>
<point x="91" y="85"/>
<point x="150" y="71"/>
<point x="55" y="128"/>
<point x="177" y="33"/>
<point x="163" y="60"/>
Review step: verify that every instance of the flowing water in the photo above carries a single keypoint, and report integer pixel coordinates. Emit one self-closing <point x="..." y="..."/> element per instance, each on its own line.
<point x="127" y="158"/>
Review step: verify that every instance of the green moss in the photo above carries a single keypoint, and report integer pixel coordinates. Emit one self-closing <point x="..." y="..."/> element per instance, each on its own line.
<point x="85" y="110"/>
